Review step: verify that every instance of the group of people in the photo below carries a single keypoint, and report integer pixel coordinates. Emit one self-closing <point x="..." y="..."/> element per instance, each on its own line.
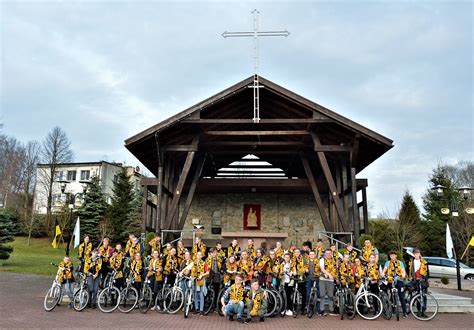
<point x="244" y="271"/>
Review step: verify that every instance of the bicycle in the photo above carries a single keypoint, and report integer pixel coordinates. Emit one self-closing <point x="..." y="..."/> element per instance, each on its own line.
<point x="174" y="297"/>
<point x="81" y="297"/>
<point x="345" y="299"/>
<point x="188" y="295"/>
<point x="392" y="289"/>
<point x="146" y="295"/>
<point x="209" y="300"/>
<point x="109" y="297"/>
<point x="313" y="300"/>
<point x="296" y="298"/>
<point x="160" y="296"/>
<point x="282" y="294"/>
<point x="423" y="306"/>
<point x="128" y="295"/>
<point x="385" y="298"/>
<point x="54" y="296"/>
<point x="367" y="304"/>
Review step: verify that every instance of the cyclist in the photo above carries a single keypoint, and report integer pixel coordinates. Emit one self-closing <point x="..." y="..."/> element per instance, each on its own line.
<point x="287" y="271"/>
<point x="214" y="263"/>
<point x="349" y="249"/>
<point x="335" y="253"/>
<point x="198" y="246"/>
<point x="260" y="267"/>
<point x="220" y="252"/>
<point x="251" y="251"/>
<point x="116" y="263"/>
<point x="84" y="251"/>
<point x="137" y="267"/>
<point x="256" y="302"/>
<point x="180" y="251"/>
<point x="273" y="270"/>
<point x="135" y="248"/>
<point x="200" y="271"/>
<point x="246" y="267"/>
<point x="92" y="267"/>
<point x="170" y="265"/>
<point x="367" y="250"/>
<point x="231" y="269"/>
<point x="67" y="278"/>
<point x="394" y="269"/>
<point x="374" y="276"/>
<point x="346" y="273"/>
<point x="328" y="266"/>
<point x="234" y="250"/>
<point x="301" y="272"/>
<point x="235" y="295"/>
<point x="359" y="273"/>
<point x="313" y="273"/>
<point x="319" y="249"/>
<point x="105" y="252"/>
<point x="418" y="273"/>
<point x="279" y="252"/>
<point x="155" y="274"/>
<point x="155" y="244"/>
<point x="129" y="244"/>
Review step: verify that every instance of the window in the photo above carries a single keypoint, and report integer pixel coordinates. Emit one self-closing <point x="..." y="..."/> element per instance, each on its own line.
<point x="447" y="263"/>
<point x="57" y="199"/>
<point x="85" y="175"/>
<point x="58" y="175"/>
<point x="434" y="261"/>
<point x="115" y="178"/>
<point x="71" y="175"/>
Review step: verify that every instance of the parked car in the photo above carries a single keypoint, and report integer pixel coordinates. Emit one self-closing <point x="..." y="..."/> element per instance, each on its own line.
<point x="438" y="266"/>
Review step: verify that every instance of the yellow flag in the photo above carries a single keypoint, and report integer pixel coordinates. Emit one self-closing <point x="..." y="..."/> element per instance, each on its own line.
<point x="56" y="237"/>
<point x="471" y="242"/>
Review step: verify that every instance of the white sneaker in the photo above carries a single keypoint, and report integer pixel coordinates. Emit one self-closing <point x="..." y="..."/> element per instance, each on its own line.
<point x="153" y="308"/>
<point x="289" y="313"/>
<point x="223" y="310"/>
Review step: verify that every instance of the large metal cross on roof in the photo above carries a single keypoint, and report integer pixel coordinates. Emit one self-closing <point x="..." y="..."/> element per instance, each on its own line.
<point x="256" y="34"/>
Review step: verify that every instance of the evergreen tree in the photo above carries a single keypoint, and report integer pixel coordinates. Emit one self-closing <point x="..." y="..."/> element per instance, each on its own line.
<point x="121" y="209"/>
<point x="92" y="210"/>
<point x="409" y="212"/>
<point x="7" y="230"/>
<point x="433" y="226"/>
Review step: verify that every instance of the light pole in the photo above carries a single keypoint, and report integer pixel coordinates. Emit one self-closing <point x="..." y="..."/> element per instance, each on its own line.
<point x="71" y="201"/>
<point x="453" y="212"/>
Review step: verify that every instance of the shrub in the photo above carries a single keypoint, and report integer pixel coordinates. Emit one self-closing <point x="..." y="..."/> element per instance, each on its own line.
<point x="444" y="280"/>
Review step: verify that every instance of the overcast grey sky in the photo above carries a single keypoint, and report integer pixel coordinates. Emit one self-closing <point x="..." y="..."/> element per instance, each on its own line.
<point x="105" y="70"/>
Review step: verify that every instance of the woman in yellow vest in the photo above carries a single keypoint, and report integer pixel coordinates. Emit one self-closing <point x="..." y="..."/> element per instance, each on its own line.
<point x="200" y="271"/>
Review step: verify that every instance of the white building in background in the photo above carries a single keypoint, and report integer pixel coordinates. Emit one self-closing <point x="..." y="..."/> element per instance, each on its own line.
<point x="74" y="173"/>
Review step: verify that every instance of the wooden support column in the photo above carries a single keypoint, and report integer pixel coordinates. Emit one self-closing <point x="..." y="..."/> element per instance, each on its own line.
<point x="192" y="189"/>
<point x="144" y="208"/>
<point x="355" y="207"/>
<point x="332" y="186"/>
<point x="179" y="187"/>
<point x="354" y="152"/>
<point x="345" y="180"/>
<point x="339" y="188"/>
<point x="365" y="210"/>
<point x="158" y="185"/>
<point x="317" y="196"/>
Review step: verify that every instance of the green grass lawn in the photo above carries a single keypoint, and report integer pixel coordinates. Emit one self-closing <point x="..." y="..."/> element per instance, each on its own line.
<point x="36" y="258"/>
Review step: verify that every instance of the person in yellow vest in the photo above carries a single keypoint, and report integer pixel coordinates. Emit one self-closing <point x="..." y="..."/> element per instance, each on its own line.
<point x="198" y="246"/>
<point x="301" y="264"/>
<point x="155" y="274"/>
<point x="234" y="250"/>
<point x="346" y="273"/>
<point x="256" y="302"/>
<point x="246" y="267"/>
<point x="67" y="280"/>
<point x="273" y="270"/>
<point x="92" y="267"/>
<point x="170" y="266"/>
<point x="105" y="252"/>
<point x="116" y="263"/>
<point x="220" y="253"/>
<point x="231" y="269"/>
<point x="180" y="251"/>
<point x="312" y="276"/>
<point x="418" y="274"/>
<point x="129" y="243"/>
<point x="394" y="269"/>
<point x="136" y="270"/>
<point x="233" y="300"/>
<point x="279" y="251"/>
<point x="166" y="249"/>
<point x="349" y="249"/>
<point x="335" y="253"/>
<point x="359" y="273"/>
<point x="155" y="244"/>
<point x="291" y="251"/>
<point x="200" y="271"/>
<point x="84" y="251"/>
<point x="251" y="251"/>
<point x="287" y="273"/>
<point x="328" y="266"/>
<point x="260" y="267"/>
<point x="374" y="277"/>
<point x="135" y="248"/>
<point x="319" y="249"/>
<point x="367" y="250"/>
<point x="214" y="264"/>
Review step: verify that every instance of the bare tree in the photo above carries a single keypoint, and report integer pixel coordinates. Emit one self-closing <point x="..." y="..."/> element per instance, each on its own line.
<point x="56" y="149"/>
<point x="11" y="159"/>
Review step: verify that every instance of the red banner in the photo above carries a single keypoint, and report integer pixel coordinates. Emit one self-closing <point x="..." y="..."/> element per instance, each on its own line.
<point x="252" y="216"/>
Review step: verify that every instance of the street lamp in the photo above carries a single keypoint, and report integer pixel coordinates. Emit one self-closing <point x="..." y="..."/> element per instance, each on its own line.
<point x="71" y="201"/>
<point x="454" y="204"/>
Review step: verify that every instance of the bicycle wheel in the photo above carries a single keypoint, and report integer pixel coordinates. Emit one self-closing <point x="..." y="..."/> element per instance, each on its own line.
<point x="341" y="302"/>
<point x="145" y="301"/>
<point x="219" y="304"/>
<point x="368" y="306"/>
<point x="349" y="307"/>
<point x="159" y="301"/>
<point x="386" y="305"/>
<point x="52" y="298"/>
<point x="81" y="299"/>
<point x="296" y="306"/>
<point x="173" y="301"/>
<point x="108" y="299"/>
<point x="311" y="303"/>
<point x="128" y="299"/>
<point x="284" y="305"/>
<point x="209" y="300"/>
<point x="187" y="303"/>
<point x="395" y="309"/>
<point x="272" y="303"/>
<point x="424" y="310"/>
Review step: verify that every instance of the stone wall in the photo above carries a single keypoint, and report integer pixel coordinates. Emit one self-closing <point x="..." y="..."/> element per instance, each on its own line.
<point x="295" y="214"/>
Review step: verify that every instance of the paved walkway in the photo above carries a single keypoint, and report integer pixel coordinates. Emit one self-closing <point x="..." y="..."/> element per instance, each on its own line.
<point x="21" y="306"/>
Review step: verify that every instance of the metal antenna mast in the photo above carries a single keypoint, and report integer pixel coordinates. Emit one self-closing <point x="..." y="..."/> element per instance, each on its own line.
<point x="256" y="34"/>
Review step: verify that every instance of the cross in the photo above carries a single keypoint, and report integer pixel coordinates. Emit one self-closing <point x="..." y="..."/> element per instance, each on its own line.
<point x="256" y="34"/>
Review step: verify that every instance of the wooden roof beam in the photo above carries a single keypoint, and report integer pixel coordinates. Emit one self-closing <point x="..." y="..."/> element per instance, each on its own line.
<point x="242" y="133"/>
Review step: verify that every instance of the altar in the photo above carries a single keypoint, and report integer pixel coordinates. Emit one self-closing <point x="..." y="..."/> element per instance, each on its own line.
<point x="257" y="236"/>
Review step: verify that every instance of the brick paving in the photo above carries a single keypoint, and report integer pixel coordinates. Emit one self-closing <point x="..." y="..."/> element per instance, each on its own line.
<point x="21" y="306"/>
